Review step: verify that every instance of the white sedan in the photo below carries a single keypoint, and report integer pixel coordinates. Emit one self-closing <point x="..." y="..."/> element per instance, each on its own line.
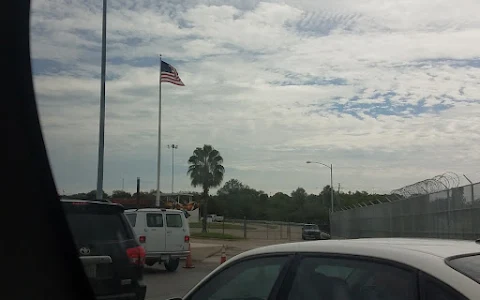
<point x="358" y="269"/>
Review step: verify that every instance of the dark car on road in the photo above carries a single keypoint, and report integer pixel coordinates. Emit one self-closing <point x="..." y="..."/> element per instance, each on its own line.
<point x="312" y="232"/>
<point x="112" y="258"/>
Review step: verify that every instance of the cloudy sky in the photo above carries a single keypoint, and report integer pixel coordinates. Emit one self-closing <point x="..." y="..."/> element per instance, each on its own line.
<point x="386" y="91"/>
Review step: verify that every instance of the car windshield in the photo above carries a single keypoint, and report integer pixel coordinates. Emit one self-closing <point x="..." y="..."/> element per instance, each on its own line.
<point x="467" y="265"/>
<point x="263" y="121"/>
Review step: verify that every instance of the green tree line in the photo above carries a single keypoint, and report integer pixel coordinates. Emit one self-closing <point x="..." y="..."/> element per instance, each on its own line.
<point x="236" y="200"/>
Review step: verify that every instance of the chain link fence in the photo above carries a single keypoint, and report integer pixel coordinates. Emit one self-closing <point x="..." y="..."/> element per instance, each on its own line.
<point x="451" y="214"/>
<point x="254" y="229"/>
<point x="273" y="230"/>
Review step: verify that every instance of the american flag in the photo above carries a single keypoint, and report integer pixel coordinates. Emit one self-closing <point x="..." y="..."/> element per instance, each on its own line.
<point x="169" y="74"/>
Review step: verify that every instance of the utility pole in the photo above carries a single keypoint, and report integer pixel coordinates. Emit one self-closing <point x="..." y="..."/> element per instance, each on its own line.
<point x="332" y="190"/>
<point x="339" y="199"/>
<point x="123" y="184"/>
<point x="173" y="147"/>
<point x="331" y="186"/>
<point x="138" y="192"/>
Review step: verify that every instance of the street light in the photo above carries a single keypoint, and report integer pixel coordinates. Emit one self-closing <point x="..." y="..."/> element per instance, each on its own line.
<point x="101" y="138"/>
<point x="173" y="146"/>
<point x="331" y="180"/>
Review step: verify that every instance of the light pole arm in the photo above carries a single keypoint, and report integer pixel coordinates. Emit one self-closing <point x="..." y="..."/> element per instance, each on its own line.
<point x="331" y="180"/>
<point x="317" y="162"/>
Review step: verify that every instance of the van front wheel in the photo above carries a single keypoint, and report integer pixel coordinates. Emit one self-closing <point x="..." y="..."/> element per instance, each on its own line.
<point x="172" y="264"/>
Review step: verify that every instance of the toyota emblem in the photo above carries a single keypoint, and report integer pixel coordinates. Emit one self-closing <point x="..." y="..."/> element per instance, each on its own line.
<point x="84" y="251"/>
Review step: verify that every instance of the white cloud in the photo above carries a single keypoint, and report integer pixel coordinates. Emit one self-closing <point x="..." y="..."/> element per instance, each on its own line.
<point x="263" y="85"/>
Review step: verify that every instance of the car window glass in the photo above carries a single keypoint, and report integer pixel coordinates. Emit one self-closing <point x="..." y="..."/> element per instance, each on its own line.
<point x="435" y="290"/>
<point x="154" y="220"/>
<point x="335" y="271"/>
<point x="251" y="279"/>
<point x="330" y="278"/>
<point x="132" y="218"/>
<point x="467" y="265"/>
<point x="174" y="220"/>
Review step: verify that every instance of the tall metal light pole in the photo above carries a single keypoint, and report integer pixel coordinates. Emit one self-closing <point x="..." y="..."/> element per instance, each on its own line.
<point x="331" y="180"/>
<point x="138" y="192"/>
<point x="101" y="140"/>
<point x="173" y="146"/>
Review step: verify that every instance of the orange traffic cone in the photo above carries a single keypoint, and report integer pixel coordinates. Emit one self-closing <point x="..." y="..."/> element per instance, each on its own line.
<point x="188" y="262"/>
<point x="223" y="258"/>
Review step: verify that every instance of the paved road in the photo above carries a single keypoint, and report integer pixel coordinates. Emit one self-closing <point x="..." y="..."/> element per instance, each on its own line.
<point x="162" y="285"/>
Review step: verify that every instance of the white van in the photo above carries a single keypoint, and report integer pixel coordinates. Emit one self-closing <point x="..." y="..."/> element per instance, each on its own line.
<point x="164" y="233"/>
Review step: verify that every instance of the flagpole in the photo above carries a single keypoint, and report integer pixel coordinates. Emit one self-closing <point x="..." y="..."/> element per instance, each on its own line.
<point x="157" y="200"/>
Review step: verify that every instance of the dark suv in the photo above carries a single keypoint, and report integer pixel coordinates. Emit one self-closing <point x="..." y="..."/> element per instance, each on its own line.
<point x="311" y="231"/>
<point x="112" y="258"/>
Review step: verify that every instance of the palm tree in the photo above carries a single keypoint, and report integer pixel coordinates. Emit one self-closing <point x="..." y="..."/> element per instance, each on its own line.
<point x="205" y="170"/>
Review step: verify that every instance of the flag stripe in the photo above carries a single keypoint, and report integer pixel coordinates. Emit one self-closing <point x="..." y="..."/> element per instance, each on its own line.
<point x="174" y="82"/>
<point x="171" y="79"/>
<point x="179" y="82"/>
<point x="169" y="74"/>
